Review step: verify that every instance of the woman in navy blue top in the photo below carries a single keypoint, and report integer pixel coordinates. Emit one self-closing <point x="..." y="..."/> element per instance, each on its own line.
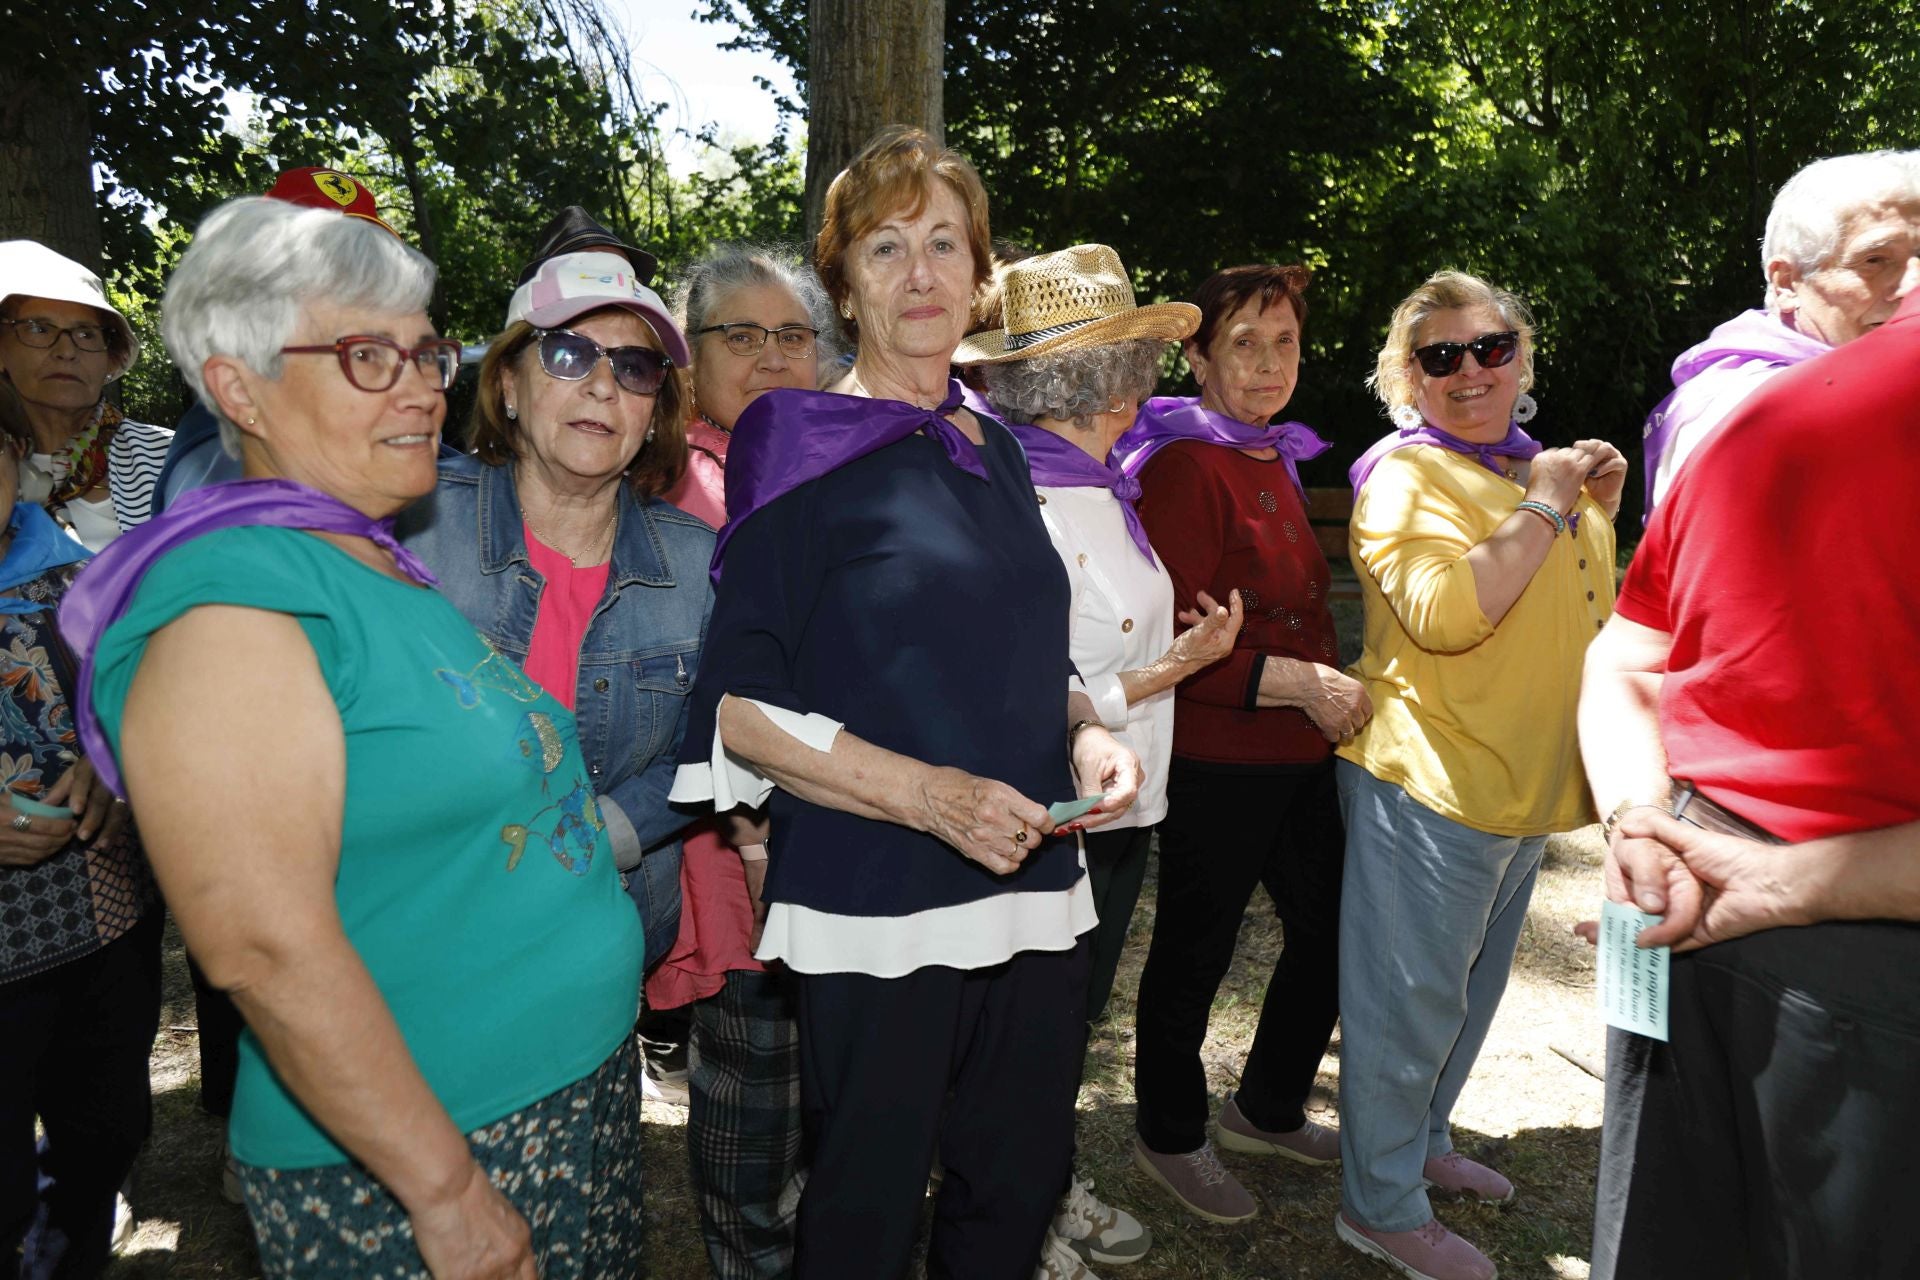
<point x="889" y="650"/>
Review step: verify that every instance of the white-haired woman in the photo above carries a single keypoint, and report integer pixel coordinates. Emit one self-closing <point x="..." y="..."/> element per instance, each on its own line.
<point x="1069" y="366"/>
<point x="61" y="343"/>
<point x="372" y="829"/>
<point x="1486" y="567"/>
<point x="755" y="316"/>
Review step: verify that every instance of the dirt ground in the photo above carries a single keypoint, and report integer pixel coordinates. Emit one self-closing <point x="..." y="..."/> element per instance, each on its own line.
<point x="1528" y="1109"/>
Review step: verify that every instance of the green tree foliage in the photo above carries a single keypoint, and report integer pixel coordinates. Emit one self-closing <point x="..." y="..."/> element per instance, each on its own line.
<point x="1611" y="163"/>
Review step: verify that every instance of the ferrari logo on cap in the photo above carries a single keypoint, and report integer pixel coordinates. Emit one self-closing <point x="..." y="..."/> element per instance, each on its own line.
<point x="337" y="187"/>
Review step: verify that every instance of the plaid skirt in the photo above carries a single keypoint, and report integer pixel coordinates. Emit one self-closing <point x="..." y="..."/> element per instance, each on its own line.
<point x="570" y="1163"/>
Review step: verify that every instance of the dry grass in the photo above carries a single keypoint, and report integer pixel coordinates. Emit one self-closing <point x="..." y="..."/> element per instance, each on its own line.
<point x="1527" y="1109"/>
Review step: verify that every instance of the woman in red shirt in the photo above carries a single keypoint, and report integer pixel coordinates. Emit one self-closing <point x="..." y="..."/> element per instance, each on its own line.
<point x="1250" y="795"/>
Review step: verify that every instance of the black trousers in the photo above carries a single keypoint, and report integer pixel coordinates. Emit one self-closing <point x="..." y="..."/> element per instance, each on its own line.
<point x="1116" y="867"/>
<point x="1776" y="1135"/>
<point x="979" y="1065"/>
<point x="74" y="1043"/>
<point x="1223" y="834"/>
<point x="220" y="1025"/>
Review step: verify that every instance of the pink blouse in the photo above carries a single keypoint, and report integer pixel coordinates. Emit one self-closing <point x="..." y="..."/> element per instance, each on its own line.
<point x="702" y="491"/>
<point x="560" y="627"/>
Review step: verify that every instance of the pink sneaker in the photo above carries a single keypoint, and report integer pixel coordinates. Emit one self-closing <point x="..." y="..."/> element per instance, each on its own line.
<point x="1430" y="1252"/>
<point x="1309" y="1144"/>
<point x="1456" y="1175"/>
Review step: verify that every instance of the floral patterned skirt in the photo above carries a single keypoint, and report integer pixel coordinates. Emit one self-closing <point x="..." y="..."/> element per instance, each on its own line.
<point x="570" y="1163"/>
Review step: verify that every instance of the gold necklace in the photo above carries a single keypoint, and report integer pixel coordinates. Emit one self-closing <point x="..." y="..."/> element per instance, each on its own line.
<point x="573" y="560"/>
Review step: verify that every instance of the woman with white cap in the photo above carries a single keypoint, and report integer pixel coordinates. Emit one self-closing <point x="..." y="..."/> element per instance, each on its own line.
<point x="61" y="343"/>
<point x="554" y="540"/>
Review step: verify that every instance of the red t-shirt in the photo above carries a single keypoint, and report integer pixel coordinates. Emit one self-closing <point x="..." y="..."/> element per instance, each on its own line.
<point x="560" y="627"/>
<point x="1783" y="566"/>
<point x="1220" y="520"/>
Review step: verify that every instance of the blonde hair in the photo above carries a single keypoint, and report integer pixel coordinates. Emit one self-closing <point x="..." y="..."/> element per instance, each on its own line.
<point x="1392" y="377"/>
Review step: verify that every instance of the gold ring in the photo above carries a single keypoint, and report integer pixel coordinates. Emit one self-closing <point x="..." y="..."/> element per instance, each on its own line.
<point x="1021" y="838"/>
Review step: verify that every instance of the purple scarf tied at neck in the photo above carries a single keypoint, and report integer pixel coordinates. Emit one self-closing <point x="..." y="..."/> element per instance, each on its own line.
<point x="1165" y="419"/>
<point x="1515" y="444"/>
<point x="1057" y="464"/>
<point x="105" y="588"/>
<point x="788" y="437"/>
<point x="1748" y="337"/>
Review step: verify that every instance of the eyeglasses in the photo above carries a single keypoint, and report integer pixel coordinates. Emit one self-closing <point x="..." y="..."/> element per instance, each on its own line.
<point x="1492" y="350"/>
<point x="374" y="364"/>
<point x="44" y="334"/>
<point x="744" y="338"/>
<point x="571" y="356"/>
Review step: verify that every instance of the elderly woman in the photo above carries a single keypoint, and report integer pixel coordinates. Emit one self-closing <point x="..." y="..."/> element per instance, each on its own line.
<point x="1250" y="796"/>
<point x="63" y="342"/>
<point x="372" y="829"/>
<point x="889" y="647"/>
<point x="552" y="538"/>
<point x="1487" y="567"/>
<point x="755" y="315"/>
<point x="1069" y="366"/>
<point x="79" y="929"/>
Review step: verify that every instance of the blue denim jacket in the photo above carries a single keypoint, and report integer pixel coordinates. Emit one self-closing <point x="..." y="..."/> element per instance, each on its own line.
<point x="637" y="662"/>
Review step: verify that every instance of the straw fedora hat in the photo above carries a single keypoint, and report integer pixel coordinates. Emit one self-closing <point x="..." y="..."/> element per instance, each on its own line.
<point x="1068" y="301"/>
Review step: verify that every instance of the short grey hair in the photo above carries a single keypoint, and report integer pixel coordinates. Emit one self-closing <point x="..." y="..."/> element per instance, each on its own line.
<point x="1810" y="212"/>
<point x="1073" y="386"/>
<point x="254" y="266"/>
<point x="727" y="268"/>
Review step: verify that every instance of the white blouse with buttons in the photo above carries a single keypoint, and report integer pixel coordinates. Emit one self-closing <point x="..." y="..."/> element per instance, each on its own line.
<point x="1121" y="619"/>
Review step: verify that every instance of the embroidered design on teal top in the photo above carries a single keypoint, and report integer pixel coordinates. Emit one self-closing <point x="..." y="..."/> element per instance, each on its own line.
<point x="576" y="822"/>
<point x="496" y="672"/>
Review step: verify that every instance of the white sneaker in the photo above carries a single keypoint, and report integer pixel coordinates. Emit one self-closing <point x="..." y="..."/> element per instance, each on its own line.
<point x="1096" y="1230"/>
<point x="1060" y="1262"/>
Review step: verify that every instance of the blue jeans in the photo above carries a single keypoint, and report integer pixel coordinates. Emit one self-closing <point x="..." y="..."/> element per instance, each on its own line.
<point x="654" y="886"/>
<point x="1429" y="921"/>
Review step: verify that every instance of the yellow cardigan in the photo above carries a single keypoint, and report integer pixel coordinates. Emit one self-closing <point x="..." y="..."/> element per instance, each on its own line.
<point x="1475" y="721"/>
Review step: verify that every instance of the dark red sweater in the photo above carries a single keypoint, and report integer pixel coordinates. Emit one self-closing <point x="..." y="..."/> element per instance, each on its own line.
<point x="1220" y="520"/>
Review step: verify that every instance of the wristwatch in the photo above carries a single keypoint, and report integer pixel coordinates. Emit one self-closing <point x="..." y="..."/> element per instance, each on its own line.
<point x="1073" y="730"/>
<point x="1620" y="811"/>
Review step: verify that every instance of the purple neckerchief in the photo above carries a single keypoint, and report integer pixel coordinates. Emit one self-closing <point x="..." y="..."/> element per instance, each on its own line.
<point x="101" y="594"/>
<point x="788" y="437"/>
<point x="1749" y="336"/>
<point x="1056" y="464"/>
<point x="1165" y="419"/>
<point x="1515" y="444"/>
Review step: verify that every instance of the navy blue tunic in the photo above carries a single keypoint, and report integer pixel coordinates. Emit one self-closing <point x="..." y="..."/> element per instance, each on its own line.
<point x="926" y="610"/>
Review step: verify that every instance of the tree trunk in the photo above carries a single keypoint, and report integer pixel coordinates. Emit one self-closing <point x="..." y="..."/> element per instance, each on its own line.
<point x="870" y="63"/>
<point x="46" y="164"/>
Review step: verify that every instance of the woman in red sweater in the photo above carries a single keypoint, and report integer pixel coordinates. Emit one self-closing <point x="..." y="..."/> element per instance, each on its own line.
<point x="1250" y="796"/>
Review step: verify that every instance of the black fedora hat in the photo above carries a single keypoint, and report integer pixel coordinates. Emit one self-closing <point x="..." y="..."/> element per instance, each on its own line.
<point x="574" y="229"/>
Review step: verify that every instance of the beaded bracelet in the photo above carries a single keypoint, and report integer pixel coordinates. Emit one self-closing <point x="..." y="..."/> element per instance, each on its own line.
<point x="1547" y="513"/>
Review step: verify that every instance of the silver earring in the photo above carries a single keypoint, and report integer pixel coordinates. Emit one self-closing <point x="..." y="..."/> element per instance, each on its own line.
<point x="648" y="440"/>
<point x="1406" y="417"/>
<point x="1524" y="408"/>
<point x="512" y="413"/>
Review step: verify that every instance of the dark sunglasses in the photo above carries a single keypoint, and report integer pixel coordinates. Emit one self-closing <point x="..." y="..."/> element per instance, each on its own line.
<point x="571" y="356"/>
<point x="1440" y="359"/>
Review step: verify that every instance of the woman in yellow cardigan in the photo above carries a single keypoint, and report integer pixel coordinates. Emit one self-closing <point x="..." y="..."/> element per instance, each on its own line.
<point x="1486" y="567"/>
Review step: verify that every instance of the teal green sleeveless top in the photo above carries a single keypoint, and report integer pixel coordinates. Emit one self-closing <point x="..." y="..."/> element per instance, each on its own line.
<point x="475" y="879"/>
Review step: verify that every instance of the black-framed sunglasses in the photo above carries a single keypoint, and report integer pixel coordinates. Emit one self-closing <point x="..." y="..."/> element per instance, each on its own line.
<point x="1492" y="350"/>
<point x="44" y="334"/>
<point x="374" y="364"/>
<point x="571" y="356"/>
<point x="745" y="338"/>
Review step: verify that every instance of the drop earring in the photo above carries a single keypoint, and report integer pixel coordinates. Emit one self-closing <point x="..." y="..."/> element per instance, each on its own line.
<point x="512" y="413"/>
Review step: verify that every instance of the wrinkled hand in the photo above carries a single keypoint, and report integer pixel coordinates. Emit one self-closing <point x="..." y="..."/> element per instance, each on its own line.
<point x="981" y="818"/>
<point x="1338" y="704"/>
<point x="1213" y="628"/>
<point x="1556" y="476"/>
<point x="1104" y="766"/>
<point x="1712" y="887"/>
<point x="43" y="838"/>
<point x="478" y="1235"/>
<point x="756" y="872"/>
<point x="1608" y="478"/>
<point x="99" y="811"/>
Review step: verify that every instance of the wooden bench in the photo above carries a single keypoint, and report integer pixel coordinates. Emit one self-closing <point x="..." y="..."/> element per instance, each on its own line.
<point x="1329" y="510"/>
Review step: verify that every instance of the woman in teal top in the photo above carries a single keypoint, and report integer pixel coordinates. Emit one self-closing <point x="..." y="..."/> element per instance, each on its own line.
<point x="373" y="829"/>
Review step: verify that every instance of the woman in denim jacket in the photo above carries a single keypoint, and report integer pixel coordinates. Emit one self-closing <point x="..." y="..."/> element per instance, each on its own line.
<point x="553" y="541"/>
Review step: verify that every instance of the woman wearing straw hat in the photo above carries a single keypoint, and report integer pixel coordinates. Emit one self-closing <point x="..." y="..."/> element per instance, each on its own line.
<point x="63" y="342"/>
<point x="1250" y="794"/>
<point x="1069" y="369"/>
